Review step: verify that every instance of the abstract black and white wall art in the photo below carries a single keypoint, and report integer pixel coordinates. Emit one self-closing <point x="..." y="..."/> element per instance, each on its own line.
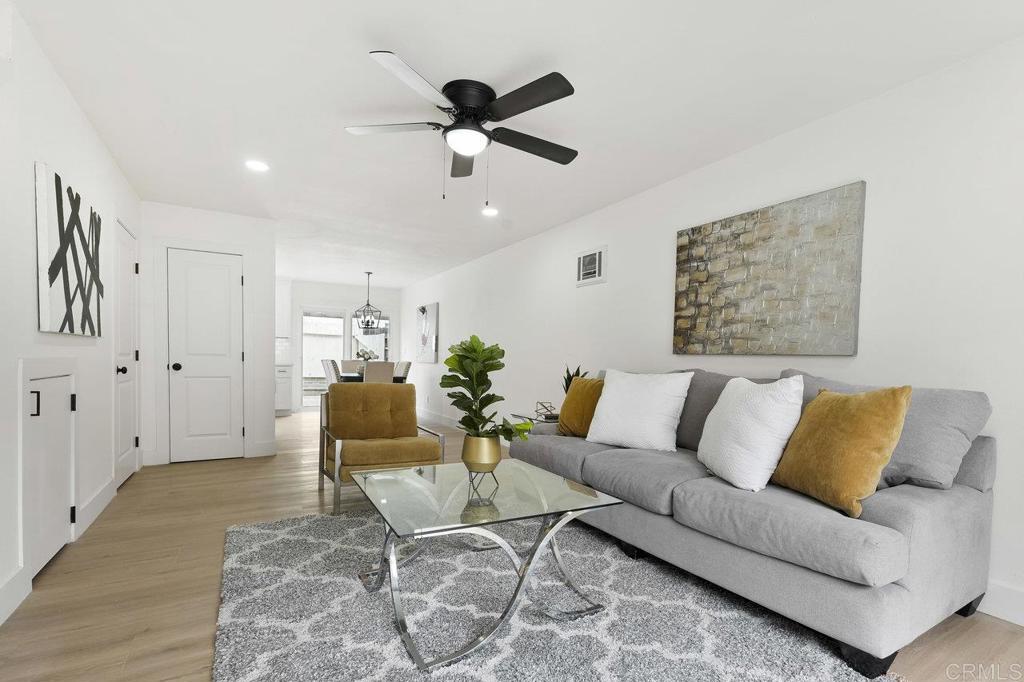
<point x="426" y="333"/>
<point x="68" y="230"/>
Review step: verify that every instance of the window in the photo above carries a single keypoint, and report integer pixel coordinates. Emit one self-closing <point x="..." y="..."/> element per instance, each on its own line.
<point x="323" y="337"/>
<point x="377" y="341"/>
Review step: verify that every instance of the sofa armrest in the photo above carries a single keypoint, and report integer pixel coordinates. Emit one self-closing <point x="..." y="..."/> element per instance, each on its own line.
<point x="542" y="428"/>
<point x="978" y="469"/>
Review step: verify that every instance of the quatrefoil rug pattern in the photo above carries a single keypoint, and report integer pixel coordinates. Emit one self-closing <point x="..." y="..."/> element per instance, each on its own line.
<point x="293" y="610"/>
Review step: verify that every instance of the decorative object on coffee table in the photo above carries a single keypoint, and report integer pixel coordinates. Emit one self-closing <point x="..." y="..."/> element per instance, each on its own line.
<point x="781" y="280"/>
<point x="471" y="363"/>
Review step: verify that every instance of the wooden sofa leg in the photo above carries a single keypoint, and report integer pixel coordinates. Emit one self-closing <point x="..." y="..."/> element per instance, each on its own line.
<point x="970" y="609"/>
<point x="867" y="665"/>
<point x="631" y="551"/>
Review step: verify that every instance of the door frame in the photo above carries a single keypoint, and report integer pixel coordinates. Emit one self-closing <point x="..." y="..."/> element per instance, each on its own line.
<point x="160" y="358"/>
<point x="346" y="343"/>
<point x="138" y="362"/>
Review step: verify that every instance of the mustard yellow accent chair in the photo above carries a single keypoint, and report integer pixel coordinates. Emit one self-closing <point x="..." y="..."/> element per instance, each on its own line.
<point x="371" y="426"/>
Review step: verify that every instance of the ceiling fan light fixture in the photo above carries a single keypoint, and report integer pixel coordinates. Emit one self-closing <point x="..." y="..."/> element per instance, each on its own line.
<point x="466" y="139"/>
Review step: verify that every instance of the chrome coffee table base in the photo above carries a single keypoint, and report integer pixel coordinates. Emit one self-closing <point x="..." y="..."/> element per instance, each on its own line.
<point x="390" y="562"/>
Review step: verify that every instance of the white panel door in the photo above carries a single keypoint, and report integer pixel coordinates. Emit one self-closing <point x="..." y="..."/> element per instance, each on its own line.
<point x="126" y="370"/>
<point x="47" y="450"/>
<point x="204" y="339"/>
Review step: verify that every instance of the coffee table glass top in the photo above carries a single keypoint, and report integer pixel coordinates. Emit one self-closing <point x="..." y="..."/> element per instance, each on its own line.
<point x="426" y="499"/>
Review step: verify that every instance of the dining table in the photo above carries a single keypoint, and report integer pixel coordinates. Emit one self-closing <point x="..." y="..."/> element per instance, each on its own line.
<point x="356" y="377"/>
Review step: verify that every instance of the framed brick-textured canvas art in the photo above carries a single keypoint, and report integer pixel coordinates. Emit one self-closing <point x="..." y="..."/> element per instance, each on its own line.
<point x="781" y="280"/>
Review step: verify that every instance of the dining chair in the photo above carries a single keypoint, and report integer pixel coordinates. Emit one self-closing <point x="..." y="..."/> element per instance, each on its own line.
<point x="379" y="373"/>
<point x="331" y="371"/>
<point x="402" y="369"/>
<point x="349" y="366"/>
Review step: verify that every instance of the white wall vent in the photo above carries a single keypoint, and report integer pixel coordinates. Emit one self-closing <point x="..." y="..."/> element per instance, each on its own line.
<point x="591" y="266"/>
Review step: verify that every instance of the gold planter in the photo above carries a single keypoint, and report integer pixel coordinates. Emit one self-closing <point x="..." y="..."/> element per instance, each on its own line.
<point x="481" y="455"/>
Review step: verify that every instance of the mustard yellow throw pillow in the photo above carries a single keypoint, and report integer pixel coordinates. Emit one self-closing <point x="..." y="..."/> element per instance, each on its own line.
<point x="578" y="407"/>
<point x="841" y="444"/>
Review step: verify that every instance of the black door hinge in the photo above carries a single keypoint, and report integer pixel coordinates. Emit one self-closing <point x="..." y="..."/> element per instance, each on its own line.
<point x="243" y="356"/>
<point x="74" y="511"/>
<point x="136" y="441"/>
<point x="243" y="432"/>
<point x="243" y="280"/>
<point x="74" y="402"/>
<point x="136" y="356"/>
<point x="136" y="268"/>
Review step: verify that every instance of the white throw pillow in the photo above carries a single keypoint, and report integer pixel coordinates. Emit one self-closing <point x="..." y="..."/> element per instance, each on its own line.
<point x="748" y="429"/>
<point x="639" y="410"/>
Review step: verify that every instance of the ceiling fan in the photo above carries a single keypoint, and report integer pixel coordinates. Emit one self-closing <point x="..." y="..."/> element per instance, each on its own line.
<point x="469" y="104"/>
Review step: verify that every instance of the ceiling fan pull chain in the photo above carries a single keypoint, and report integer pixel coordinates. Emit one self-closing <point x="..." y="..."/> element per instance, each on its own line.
<point x="444" y="178"/>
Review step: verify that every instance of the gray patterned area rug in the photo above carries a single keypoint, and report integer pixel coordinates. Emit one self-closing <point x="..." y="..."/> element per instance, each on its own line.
<point x="293" y="610"/>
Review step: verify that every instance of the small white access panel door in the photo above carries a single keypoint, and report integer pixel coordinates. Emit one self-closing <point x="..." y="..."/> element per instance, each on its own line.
<point x="126" y="369"/>
<point x="204" y="340"/>
<point x="47" y="451"/>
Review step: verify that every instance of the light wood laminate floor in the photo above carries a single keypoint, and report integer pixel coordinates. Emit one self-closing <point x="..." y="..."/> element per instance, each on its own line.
<point x="136" y="598"/>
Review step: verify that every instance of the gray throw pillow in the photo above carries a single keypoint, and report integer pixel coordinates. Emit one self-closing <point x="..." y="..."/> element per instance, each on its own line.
<point x="938" y="431"/>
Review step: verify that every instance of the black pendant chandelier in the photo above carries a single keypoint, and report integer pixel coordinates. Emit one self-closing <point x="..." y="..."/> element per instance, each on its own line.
<point x="368" y="316"/>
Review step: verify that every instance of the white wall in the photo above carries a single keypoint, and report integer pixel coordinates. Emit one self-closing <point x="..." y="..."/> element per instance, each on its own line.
<point x="327" y="297"/>
<point x="177" y="227"/>
<point x="40" y="121"/>
<point x="941" y="299"/>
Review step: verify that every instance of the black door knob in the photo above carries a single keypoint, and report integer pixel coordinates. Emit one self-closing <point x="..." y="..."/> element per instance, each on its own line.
<point x="122" y="370"/>
<point x="176" y="366"/>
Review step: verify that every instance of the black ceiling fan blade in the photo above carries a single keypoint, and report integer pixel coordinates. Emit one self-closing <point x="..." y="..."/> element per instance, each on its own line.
<point x="544" y="90"/>
<point x="392" y="128"/>
<point x="534" y="145"/>
<point x="462" y="166"/>
<point x="405" y="73"/>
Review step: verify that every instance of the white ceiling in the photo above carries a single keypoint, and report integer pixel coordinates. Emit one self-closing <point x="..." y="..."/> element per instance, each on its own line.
<point x="184" y="91"/>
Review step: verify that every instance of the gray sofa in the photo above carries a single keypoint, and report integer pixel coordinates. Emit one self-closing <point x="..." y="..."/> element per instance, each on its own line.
<point x="873" y="584"/>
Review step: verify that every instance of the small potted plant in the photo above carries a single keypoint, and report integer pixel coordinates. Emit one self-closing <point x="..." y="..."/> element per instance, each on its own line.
<point x="569" y="376"/>
<point x="470" y="365"/>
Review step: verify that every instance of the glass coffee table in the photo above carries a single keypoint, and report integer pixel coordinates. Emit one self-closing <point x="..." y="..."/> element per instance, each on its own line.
<point x="421" y="503"/>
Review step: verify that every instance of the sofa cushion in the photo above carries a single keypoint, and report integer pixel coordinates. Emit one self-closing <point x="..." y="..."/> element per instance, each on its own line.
<point x="937" y="433"/>
<point x="789" y="526"/>
<point x="645" y="478"/>
<point x="705" y="387"/>
<point x="385" y="451"/>
<point x="562" y="455"/>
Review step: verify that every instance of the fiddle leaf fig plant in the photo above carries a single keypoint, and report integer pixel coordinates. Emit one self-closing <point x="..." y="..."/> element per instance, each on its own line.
<point x="470" y="365"/>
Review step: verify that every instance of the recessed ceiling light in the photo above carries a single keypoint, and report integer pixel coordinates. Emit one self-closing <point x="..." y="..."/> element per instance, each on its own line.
<point x="257" y="166"/>
<point x="489" y="211"/>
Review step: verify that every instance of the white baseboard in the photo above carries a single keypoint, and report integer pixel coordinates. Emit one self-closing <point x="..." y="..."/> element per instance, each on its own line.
<point x="261" y="449"/>
<point x="1004" y="601"/>
<point x="93" y="507"/>
<point x="13" y="592"/>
